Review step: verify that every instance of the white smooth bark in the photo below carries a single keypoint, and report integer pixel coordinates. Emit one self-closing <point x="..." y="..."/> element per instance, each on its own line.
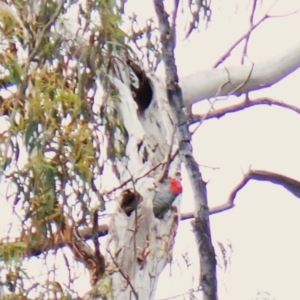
<point x="141" y="235"/>
<point x="237" y="80"/>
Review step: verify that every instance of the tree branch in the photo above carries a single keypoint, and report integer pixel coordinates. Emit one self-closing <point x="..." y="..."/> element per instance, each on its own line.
<point x="218" y="113"/>
<point x="41" y="245"/>
<point x="207" y="267"/>
<point x="290" y="184"/>
<point x="222" y="82"/>
<point x="86" y="233"/>
<point x="245" y="51"/>
<point x="214" y="82"/>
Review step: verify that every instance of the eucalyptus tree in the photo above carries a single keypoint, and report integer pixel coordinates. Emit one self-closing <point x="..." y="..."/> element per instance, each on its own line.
<point x="81" y="108"/>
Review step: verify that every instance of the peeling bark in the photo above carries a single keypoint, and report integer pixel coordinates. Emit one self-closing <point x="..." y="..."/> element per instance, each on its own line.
<point x="138" y="244"/>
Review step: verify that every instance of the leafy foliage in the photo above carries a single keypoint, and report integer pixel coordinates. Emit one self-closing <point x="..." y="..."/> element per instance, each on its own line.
<point x="59" y="133"/>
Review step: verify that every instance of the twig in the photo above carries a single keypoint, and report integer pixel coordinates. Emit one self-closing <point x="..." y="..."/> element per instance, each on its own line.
<point x="251" y="26"/>
<point x="241" y="106"/>
<point x="232" y="92"/>
<point x="126" y="277"/>
<point x="131" y="179"/>
<point x="227" y="53"/>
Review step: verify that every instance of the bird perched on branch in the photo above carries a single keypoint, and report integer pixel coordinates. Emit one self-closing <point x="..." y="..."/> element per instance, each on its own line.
<point x="166" y="194"/>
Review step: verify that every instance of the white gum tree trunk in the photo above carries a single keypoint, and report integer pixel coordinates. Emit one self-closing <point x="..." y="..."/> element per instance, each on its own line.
<point x="139" y="245"/>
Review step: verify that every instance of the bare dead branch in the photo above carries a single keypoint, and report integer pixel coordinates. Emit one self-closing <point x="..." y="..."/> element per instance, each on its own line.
<point x="290" y="184"/>
<point x="241" y="106"/>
